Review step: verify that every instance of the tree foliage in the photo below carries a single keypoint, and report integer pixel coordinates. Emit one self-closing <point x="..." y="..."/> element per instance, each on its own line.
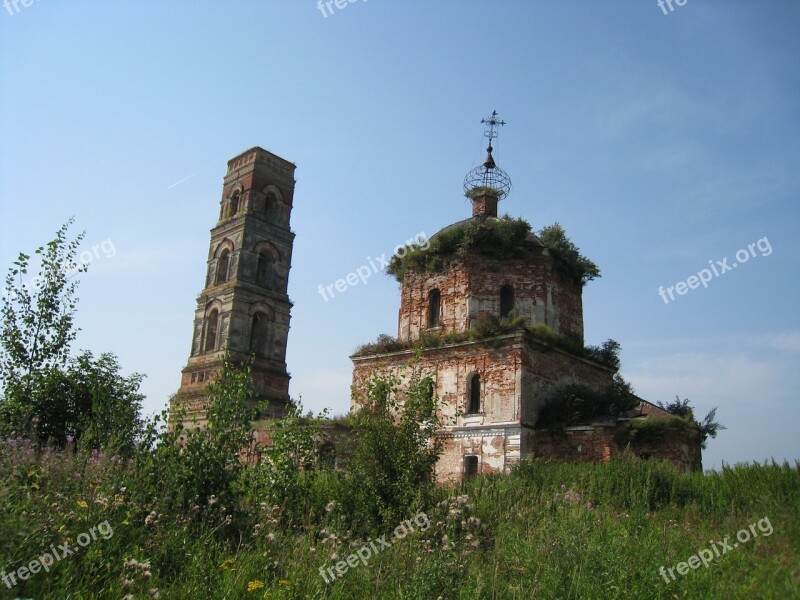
<point x="606" y="353"/>
<point x="88" y="402"/>
<point x="192" y="464"/>
<point x="286" y="475"/>
<point x="47" y="395"/>
<point x="396" y="448"/>
<point x="708" y="427"/>
<point x="38" y="315"/>
<point x="577" y="403"/>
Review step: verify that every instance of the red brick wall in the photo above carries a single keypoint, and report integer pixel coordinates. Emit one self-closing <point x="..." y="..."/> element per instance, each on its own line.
<point x="546" y="367"/>
<point x="596" y="443"/>
<point x="516" y="374"/>
<point x="472" y="285"/>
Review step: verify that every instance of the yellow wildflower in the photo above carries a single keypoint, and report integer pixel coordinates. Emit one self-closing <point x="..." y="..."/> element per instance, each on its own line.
<point x="252" y="586"/>
<point x="83" y="504"/>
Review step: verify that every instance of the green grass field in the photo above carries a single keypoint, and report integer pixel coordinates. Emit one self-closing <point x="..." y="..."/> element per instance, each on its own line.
<point x="549" y="530"/>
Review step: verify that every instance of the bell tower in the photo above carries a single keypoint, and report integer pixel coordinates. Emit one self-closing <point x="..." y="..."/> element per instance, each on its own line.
<point x="244" y="305"/>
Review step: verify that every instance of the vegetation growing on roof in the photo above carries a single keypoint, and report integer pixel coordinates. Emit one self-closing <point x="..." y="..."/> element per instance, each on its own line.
<point x="484" y="190"/>
<point x="487" y="326"/>
<point x="493" y="238"/>
<point x="569" y="259"/>
<point x="499" y="239"/>
<point x="708" y="427"/>
<point x="653" y="429"/>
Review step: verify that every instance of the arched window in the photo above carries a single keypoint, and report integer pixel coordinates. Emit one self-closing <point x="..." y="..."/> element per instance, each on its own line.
<point x="474" y="390"/>
<point x="223" y="262"/>
<point x="506" y="300"/>
<point x="265" y="272"/>
<point x="259" y="334"/>
<point x="212" y="321"/>
<point x="235" y="202"/>
<point x="434" y="306"/>
<point x="470" y="466"/>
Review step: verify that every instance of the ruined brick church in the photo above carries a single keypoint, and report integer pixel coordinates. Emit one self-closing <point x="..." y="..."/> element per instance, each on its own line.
<point x="492" y="388"/>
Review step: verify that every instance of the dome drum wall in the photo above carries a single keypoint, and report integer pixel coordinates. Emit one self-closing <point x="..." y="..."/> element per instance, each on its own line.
<point x="472" y="284"/>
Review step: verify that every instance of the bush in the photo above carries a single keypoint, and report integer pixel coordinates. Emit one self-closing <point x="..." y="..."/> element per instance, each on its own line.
<point x="390" y="473"/>
<point x="383" y="345"/>
<point x="484" y="190"/>
<point x="499" y="239"/>
<point x="652" y="429"/>
<point x="708" y="427"/>
<point x="607" y="353"/>
<point x="189" y="471"/>
<point x="569" y="260"/>
<point x="576" y="403"/>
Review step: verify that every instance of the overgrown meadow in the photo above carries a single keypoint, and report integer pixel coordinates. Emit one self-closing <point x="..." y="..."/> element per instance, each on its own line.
<point x="546" y="531"/>
<point x="98" y="502"/>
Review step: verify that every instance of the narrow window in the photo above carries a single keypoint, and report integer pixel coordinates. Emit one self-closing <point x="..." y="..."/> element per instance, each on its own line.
<point x="271" y="206"/>
<point x="265" y="271"/>
<point x="474" y="394"/>
<point x="223" y="262"/>
<point x="506" y="300"/>
<point x="470" y="466"/>
<point x="211" y="330"/>
<point x="434" y="306"/>
<point x="259" y="333"/>
<point x="235" y="202"/>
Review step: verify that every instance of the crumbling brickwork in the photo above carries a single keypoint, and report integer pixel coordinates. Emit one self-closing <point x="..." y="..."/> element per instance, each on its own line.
<point x="244" y="305"/>
<point x="493" y="388"/>
<point x="470" y="286"/>
<point x="598" y="443"/>
<point x="516" y="374"/>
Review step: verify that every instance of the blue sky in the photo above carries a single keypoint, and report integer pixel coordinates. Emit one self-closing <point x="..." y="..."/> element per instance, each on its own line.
<point x="659" y="141"/>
